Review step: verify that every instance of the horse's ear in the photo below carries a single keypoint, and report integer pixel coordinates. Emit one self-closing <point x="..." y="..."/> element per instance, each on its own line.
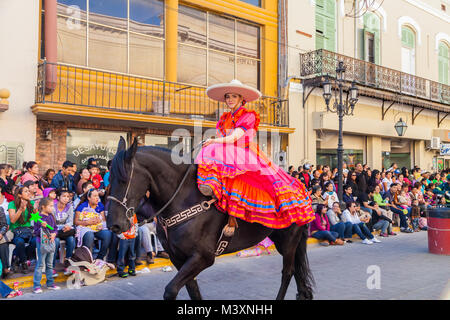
<point x="132" y="150"/>
<point x="122" y="144"/>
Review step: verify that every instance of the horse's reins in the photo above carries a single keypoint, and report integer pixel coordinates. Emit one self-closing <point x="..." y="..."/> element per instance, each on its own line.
<point x="130" y="210"/>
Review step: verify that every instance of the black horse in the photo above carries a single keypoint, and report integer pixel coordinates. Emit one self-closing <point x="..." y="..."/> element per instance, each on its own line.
<point x="192" y="244"/>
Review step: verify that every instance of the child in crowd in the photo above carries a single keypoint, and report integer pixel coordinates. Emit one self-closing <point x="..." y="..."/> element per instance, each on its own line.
<point x="415" y="215"/>
<point x="403" y="200"/>
<point x="96" y="178"/>
<point x="45" y="245"/>
<point x="126" y="250"/>
<point x="429" y="197"/>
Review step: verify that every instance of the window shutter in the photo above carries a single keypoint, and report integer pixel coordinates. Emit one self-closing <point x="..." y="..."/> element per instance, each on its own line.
<point x="325" y="25"/>
<point x="330" y="34"/>
<point x="372" y="24"/>
<point x="320" y="32"/>
<point x="443" y="63"/>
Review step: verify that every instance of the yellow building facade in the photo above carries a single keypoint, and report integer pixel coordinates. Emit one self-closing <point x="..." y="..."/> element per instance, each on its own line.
<point x="140" y="69"/>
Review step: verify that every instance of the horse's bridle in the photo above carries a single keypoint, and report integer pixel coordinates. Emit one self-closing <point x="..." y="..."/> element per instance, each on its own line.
<point x="130" y="210"/>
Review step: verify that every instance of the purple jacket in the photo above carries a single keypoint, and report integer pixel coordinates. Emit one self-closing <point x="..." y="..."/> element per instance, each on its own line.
<point x="316" y="224"/>
<point x="50" y="219"/>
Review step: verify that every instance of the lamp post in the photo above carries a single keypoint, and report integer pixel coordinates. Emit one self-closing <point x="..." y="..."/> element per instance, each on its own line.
<point x="341" y="108"/>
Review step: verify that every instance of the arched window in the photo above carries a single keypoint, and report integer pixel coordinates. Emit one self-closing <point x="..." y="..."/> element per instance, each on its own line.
<point x="371" y="38"/>
<point x="326" y="25"/>
<point x="444" y="62"/>
<point x="408" y="50"/>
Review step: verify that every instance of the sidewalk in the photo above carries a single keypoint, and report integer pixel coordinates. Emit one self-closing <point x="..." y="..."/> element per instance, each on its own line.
<point x="26" y="281"/>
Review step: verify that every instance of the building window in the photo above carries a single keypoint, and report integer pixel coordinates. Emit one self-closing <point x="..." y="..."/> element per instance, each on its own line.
<point x="214" y="49"/>
<point x="329" y="157"/>
<point x="84" y="144"/>
<point x="408" y="50"/>
<point x="326" y="25"/>
<point x="12" y="153"/>
<point x="371" y="42"/>
<point x="444" y="63"/>
<point x="118" y="35"/>
<point x="253" y="2"/>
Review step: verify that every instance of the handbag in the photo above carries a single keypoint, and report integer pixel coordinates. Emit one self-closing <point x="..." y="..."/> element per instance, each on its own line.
<point x="383" y="217"/>
<point x="65" y="234"/>
<point x="47" y="245"/>
<point x="23" y="232"/>
<point x="7" y="237"/>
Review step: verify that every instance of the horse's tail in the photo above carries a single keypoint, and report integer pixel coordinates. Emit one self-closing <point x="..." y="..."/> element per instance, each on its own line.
<point x="303" y="275"/>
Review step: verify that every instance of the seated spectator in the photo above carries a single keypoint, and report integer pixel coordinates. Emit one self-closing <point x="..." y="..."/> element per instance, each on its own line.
<point x="351" y="182"/>
<point x="4" y="204"/>
<point x="363" y="200"/>
<point x="32" y="174"/>
<point x="82" y="197"/>
<point x="6" y="183"/>
<point x="84" y="177"/>
<point x="364" y="216"/>
<point x="320" y="228"/>
<point x="379" y="215"/>
<point x="350" y="215"/>
<point x="344" y="229"/>
<point x="33" y="189"/>
<point x="49" y="193"/>
<point x="4" y="243"/>
<point x="347" y="196"/>
<point x="91" y="223"/>
<point x="5" y="291"/>
<point x="316" y="196"/>
<point x="107" y="174"/>
<point x="48" y="177"/>
<point x="63" y="179"/>
<point x="20" y="211"/>
<point x="430" y="198"/>
<point x="387" y="182"/>
<point x="402" y="213"/>
<point x="315" y="178"/>
<point x="64" y="222"/>
<point x="329" y="196"/>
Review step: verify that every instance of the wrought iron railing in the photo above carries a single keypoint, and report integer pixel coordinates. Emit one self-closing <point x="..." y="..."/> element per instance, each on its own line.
<point x="89" y="87"/>
<point x="322" y="62"/>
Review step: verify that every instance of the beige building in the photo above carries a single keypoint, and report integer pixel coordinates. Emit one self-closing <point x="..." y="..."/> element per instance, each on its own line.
<point x="18" y="74"/>
<point x="398" y="54"/>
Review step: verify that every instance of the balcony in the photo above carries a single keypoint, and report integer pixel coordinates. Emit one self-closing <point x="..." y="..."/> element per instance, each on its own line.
<point x="376" y="81"/>
<point x="102" y="90"/>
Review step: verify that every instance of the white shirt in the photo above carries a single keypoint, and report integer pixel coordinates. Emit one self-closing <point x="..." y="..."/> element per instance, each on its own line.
<point x="388" y="182"/>
<point x="4" y="205"/>
<point x="332" y="198"/>
<point x="348" y="217"/>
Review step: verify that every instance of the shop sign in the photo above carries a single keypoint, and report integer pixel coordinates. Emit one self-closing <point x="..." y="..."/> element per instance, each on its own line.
<point x="445" y="149"/>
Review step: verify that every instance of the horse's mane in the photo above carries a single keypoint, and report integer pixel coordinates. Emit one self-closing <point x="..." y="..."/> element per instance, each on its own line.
<point x="118" y="163"/>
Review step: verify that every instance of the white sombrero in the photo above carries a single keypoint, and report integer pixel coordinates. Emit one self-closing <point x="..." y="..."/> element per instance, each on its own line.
<point x="217" y="92"/>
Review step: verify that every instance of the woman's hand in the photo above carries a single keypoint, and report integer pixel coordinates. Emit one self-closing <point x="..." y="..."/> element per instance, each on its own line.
<point x="208" y="142"/>
<point x="66" y="228"/>
<point x="44" y="224"/>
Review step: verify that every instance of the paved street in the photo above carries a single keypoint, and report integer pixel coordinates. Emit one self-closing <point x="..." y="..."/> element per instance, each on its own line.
<point x="407" y="271"/>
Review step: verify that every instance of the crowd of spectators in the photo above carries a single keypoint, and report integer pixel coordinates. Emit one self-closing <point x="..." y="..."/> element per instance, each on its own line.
<point x="371" y="200"/>
<point x="75" y="201"/>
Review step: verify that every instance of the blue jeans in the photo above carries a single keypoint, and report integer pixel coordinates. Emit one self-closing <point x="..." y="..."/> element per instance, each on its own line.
<point x="126" y="250"/>
<point x="326" y="235"/>
<point x="369" y="210"/>
<point x="403" y="223"/>
<point x="4" y="290"/>
<point x="362" y="231"/>
<point x="113" y="249"/>
<point x="344" y="229"/>
<point x="43" y="259"/>
<point x="21" y="251"/>
<point x="382" y="225"/>
<point x="103" y="235"/>
<point x="70" y="246"/>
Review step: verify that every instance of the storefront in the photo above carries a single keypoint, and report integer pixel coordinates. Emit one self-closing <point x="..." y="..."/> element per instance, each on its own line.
<point x="84" y="144"/>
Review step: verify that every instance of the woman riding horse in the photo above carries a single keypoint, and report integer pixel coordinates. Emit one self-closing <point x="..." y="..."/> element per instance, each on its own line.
<point x="234" y="170"/>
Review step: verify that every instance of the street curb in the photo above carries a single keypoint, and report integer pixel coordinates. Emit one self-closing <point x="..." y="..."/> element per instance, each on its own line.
<point x="27" y="282"/>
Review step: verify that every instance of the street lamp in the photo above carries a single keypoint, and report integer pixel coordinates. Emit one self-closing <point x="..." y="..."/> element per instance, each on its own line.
<point x="341" y="108"/>
<point x="401" y="127"/>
